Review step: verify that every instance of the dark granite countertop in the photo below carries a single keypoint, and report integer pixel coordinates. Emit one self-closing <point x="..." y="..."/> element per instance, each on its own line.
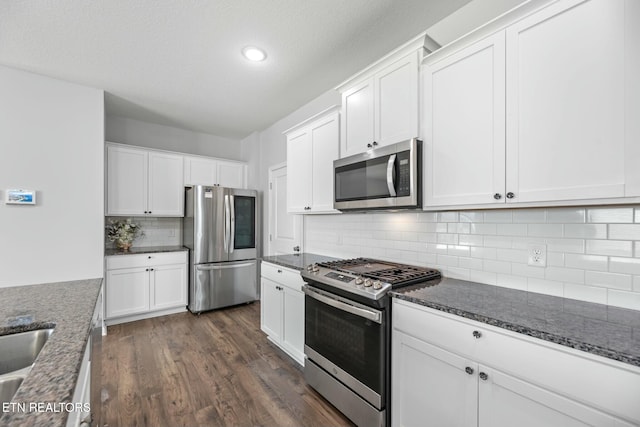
<point x="67" y="306"/>
<point x="144" y="250"/>
<point x="599" y="329"/>
<point x="297" y="261"/>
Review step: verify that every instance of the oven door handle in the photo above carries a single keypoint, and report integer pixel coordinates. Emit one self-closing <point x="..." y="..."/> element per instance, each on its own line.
<point x="373" y="315"/>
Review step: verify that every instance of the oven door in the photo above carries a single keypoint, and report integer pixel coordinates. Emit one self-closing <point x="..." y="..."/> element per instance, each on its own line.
<point x="348" y="340"/>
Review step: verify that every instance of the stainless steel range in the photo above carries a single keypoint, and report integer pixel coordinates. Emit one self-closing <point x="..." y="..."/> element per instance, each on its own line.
<point x="348" y="333"/>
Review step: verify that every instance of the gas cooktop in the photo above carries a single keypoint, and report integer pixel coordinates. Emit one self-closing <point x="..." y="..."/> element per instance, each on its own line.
<point x="367" y="277"/>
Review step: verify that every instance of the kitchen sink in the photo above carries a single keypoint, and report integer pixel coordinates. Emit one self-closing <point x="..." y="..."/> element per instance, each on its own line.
<point x="8" y="387"/>
<point x="18" y="351"/>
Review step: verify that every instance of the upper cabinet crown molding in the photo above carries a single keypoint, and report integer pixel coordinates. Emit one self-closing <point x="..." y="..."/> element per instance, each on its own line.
<point x="306" y="122"/>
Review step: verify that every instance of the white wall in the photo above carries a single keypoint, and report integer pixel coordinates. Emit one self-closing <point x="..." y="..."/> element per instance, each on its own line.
<point x="51" y="141"/>
<point x="593" y="253"/>
<point x="150" y="135"/>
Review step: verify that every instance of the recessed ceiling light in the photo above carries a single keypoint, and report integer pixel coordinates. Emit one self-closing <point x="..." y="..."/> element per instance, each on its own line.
<point x="253" y="53"/>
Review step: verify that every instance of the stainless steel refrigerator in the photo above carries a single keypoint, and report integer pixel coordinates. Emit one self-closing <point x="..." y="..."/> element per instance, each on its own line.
<point x="221" y="232"/>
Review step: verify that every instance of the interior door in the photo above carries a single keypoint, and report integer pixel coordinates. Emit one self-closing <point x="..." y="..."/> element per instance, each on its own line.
<point x="285" y="230"/>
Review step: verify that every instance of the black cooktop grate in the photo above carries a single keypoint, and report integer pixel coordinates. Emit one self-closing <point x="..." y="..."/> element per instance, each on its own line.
<point x="394" y="273"/>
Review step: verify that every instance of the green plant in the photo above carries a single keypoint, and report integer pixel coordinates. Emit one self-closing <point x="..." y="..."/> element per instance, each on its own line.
<point x="123" y="232"/>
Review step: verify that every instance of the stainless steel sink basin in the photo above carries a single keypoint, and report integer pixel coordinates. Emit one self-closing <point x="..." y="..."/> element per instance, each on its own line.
<point x="18" y="351"/>
<point x="8" y="387"/>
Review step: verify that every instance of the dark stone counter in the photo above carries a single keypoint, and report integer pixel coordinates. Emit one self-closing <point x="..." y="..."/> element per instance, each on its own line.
<point x="603" y="330"/>
<point x="297" y="261"/>
<point x="144" y="250"/>
<point x="68" y="307"/>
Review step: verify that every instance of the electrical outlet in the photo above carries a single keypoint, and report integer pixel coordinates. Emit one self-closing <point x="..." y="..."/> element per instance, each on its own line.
<point x="538" y="255"/>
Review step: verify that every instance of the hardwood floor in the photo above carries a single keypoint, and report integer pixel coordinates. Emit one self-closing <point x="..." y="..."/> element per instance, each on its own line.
<point x="216" y="369"/>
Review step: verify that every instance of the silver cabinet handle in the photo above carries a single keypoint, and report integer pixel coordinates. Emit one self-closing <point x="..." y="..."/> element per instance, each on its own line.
<point x="232" y="220"/>
<point x="390" y="172"/>
<point x="374" y="315"/>
<point x="227" y="223"/>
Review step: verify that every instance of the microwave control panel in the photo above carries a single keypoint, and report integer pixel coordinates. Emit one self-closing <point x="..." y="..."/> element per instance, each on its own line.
<point x="403" y="183"/>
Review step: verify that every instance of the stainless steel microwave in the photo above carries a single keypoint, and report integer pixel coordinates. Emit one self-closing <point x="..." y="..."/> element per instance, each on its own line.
<point x="383" y="178"/>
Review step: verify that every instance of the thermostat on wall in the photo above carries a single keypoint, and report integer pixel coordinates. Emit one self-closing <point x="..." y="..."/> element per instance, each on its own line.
<point x="20" y="197"/>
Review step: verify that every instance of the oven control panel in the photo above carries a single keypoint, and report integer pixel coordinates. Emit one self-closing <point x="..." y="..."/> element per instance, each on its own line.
<point x="369" y="288"/>
<point x="341" y="277"/>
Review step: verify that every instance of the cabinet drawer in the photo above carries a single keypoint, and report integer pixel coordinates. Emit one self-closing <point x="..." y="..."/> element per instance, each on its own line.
<point x="143" y="260"/>
<point x="457" y="337"/>
<point x="282" y="275"/>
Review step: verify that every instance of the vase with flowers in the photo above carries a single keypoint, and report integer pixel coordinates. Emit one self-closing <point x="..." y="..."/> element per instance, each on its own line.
<point x="123" y="233"/>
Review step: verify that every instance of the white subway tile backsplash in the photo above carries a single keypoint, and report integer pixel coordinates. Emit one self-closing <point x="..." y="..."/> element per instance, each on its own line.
<point x="513" y="282"/>
<point x="610" y="215"/>
<point x="623" y="299"/>
<point x="585" y="293"/>
<point x="587" y="231"/>
<point x="566" y="215"/>
<point x="565" y="245"/>
<point x="609" y="247"/>
<point x="530" y="216"/>
<point x="498" y="216"/>
<point x="545" y="230"/>
<point x="608" y="280"/>
<point x="624" y="231"/>
<point x="597" y="260"/>
<point x="561" y="274"/>
<point x="624" y="265"/>
<point x="511" y="229"/>
<point x="586" y="262"/>
<point x="548" y="287"/>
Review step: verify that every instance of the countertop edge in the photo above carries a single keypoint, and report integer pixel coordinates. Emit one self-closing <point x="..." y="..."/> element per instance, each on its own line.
<point x="545" y="336"/>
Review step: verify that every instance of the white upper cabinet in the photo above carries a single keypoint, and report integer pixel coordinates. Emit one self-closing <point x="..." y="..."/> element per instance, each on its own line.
<point x="312" y="146"/>
<point x="464" y="131"/>
<point x="565" y="102"/>
<point x="541" y="109"/>
<point x="144" y="182"/>
<point x="382" y="108"/>
<point x="209" y="171"/>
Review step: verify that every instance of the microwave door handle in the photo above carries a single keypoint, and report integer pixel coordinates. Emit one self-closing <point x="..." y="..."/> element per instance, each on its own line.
<point x="227" y="223"/>
<point x="391" y="169"/>
<point x="232" y="222"/>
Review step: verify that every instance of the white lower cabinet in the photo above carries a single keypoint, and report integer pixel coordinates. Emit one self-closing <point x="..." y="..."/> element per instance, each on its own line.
<point x="145" y="285"/>
<point x="282" y="309"/>
<point x="450" y="371"/>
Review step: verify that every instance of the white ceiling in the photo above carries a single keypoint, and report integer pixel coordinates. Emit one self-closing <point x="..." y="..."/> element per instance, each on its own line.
<point x="178" y="62"/>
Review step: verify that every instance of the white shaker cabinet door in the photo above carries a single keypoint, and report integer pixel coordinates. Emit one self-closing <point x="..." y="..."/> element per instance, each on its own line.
<point x="127" y="291"/>
<point x="357" y="119"/>
<point x="299" y="175"/>
<point x="431" y="383"/>
<point x="271" y="309"/>
<point x="126" y="181"/>
<point x="324" y="136"/>
<point x="200" y="171"/>
<point x="464" y="125"/>
<point x="166" y="190"/>
<point x="565" y="102"/>
<point x="168" y="286"/>
<point x="505" y="401"/>
<point x="396" y="101"/>
<point x="293" y="323"/>
<point x="231" y="175"/>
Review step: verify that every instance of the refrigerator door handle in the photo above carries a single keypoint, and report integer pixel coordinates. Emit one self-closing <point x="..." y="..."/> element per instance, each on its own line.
<point x="232" y="231"/>
<point x="223" y="266"/>
<point x="227" y="223"/>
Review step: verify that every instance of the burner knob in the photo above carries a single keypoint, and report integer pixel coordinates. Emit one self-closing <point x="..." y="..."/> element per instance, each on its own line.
<point x="310" y="267"/>
<point x="368" y="283"/>
<point x="359" y="281"/>
<point x="315" y="268"/>
<point x="377" y="284"/>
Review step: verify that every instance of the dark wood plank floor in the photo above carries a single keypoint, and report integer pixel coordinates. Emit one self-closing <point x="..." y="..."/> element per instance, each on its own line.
<point x="216" y="369"/>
